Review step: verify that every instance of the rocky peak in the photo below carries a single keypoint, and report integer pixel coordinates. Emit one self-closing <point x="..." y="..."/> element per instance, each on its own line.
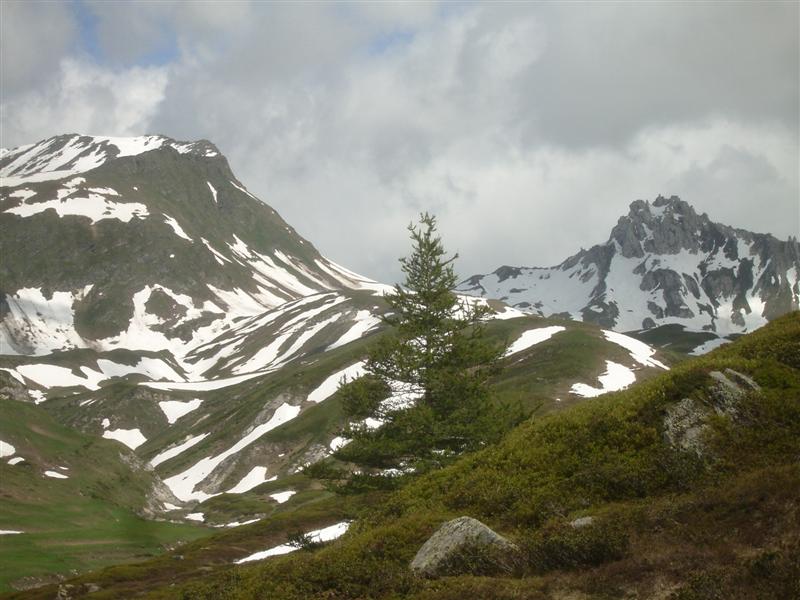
<point x="666" y="226"/>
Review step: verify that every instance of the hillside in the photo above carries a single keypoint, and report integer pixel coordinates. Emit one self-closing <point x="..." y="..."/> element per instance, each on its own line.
<point x="663" y="265"/>
<point x="690" y="480"/>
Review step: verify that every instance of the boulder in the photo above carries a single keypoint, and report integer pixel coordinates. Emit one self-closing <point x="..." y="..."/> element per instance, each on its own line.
<point x="463" y="545"/>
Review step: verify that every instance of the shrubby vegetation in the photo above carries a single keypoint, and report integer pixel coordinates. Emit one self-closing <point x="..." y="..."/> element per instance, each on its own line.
<point x="717" y="525"/>
<point x="665" y="522"/>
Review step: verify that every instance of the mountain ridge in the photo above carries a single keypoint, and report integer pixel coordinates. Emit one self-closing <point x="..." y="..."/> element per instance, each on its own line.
<point x="703" y="275"/>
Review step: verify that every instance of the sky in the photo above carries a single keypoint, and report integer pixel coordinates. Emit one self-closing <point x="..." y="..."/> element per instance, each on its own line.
<point x="526" y="128"/>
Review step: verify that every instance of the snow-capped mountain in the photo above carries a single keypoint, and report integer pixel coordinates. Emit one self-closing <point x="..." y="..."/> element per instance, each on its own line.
<point x="141" y="243"/>
<point x="662" y="264"/>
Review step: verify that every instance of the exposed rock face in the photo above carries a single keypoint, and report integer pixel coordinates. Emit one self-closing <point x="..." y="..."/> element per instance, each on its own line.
<point x="684" y="425"/>
<point x="686" y="422"/>
<point x="447" y="546"/>
<point x="663" y="263"/>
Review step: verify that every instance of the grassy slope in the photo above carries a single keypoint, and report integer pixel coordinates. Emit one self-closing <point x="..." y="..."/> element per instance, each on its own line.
<point x="667" y="522"/>
<point x="71" y="525"/>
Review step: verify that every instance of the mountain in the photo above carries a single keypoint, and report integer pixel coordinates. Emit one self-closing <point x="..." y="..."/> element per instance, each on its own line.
<point x="158" y="314"/>
<point x="141" y="243"/>
<point x="663" y="264"/>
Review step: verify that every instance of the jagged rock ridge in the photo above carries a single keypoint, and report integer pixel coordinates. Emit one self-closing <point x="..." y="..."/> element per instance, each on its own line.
<point x="663" y="263"/>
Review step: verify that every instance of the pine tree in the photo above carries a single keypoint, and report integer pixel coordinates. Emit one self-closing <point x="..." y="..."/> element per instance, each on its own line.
<point x="425" y="397"/>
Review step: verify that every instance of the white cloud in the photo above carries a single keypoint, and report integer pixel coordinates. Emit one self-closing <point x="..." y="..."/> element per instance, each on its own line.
<point x="85" y="98"/>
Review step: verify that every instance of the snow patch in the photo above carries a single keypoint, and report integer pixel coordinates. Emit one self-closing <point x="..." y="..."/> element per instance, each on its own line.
<point x="709" y="345"/>
<point x="176" y="450"/>
<point x="55" y="475"/>
<point x="325" y="534"/>
<point x="176" y="227"/>
<point x="281" y="497"/>
<point x="132" y="438"/>
<point x="6" y="449"/>
<point x="16" y="460"/>
<point x="532" y="337"/>
<point x="364" y="322"/>
<point x="93" y="206"/>
<point x="640" y="351"/>
<point x="254" y="478"/>
<point x="328" y="387"/>
<point x="175" y="409"/>
<point x="183" y="484"/>
<point x="617" y="377"/>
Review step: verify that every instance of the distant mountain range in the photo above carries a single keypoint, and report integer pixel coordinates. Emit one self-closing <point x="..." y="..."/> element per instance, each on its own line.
<point x="662" y="264"/>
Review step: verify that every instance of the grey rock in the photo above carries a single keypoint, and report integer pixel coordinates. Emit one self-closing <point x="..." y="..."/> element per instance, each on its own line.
<point x="581" y="522"/>
<point x="451" y="539"/>
<point x="731" y="386"/>
<point x="684" y="425"/>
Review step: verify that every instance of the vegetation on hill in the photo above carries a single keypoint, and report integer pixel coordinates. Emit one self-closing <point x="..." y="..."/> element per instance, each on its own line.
<point x="716" y="519"/>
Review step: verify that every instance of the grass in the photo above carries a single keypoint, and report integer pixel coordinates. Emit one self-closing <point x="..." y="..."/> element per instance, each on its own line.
<point x="76" y="524"/>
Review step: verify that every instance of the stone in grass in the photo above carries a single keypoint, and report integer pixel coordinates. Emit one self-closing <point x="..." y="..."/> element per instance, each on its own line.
<point x="581" y="522"/>
<point x="464" y="545"/>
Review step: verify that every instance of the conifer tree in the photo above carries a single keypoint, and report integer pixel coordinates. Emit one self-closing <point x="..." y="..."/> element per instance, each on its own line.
<point x="424" y="399"/>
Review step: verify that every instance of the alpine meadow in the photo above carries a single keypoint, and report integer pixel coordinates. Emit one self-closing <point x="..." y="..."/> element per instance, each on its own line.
<point x="271" y="325"/>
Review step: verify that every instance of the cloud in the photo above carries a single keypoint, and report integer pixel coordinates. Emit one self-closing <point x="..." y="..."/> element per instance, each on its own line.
<point x="33" y="39"/>
<point x="528" y="128"/>
<point x="84" y="98"/>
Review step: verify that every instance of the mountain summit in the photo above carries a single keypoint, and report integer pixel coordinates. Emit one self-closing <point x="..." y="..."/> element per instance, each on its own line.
<point x="663" y="263"/>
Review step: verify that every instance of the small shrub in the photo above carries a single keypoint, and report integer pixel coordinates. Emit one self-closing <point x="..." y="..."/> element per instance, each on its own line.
<point x="565" y="547"/>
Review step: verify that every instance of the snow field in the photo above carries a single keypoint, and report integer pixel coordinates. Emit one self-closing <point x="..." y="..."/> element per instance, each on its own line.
<point x="6" y="449"/>
<point x="641" y="352"/>
<point x="254" y="478"/>
<point x="281" y="497"/>
<point x="176" y="450"/>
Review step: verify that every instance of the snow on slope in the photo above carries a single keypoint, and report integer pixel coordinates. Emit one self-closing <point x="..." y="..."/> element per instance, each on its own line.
<point x="663" y="264"/>
<point x="328" y="387"/>
<point x="64" y="156"/>
<point x="532" y="337"/>
<point x="132" y="438"/>
<point x="175" y="409"/>
<point x="183" y="484"/>
<point x="326" y="534"/>
<point x="617" y="377"/>
<point x="176" y="450"/>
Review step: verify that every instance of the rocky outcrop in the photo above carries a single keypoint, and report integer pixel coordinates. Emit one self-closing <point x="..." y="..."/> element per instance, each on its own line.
<point x="463" y="545"/>
<point x="687" y="421"/>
